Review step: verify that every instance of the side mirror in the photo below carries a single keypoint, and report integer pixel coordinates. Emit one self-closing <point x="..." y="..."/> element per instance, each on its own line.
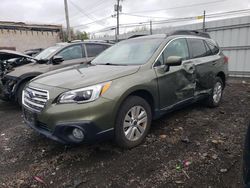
<point x="57" y="60"/>
<point x="173" y="61"/>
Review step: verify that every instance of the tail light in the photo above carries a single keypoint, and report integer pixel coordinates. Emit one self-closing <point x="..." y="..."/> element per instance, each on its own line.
<point x="226" y="59"/>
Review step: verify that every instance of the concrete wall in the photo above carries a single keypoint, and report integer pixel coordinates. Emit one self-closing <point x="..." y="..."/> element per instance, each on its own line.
<point x="23" y="40"/>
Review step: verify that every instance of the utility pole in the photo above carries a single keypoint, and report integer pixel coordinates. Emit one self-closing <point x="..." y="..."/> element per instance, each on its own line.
<point x="67" y="19"/>
<point x="151" y="30"/>
<point x="204" y="21"/>
<point x="118" y="9"/>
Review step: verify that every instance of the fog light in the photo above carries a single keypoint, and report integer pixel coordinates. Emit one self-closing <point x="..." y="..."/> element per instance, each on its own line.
<point x="78" y="133"/>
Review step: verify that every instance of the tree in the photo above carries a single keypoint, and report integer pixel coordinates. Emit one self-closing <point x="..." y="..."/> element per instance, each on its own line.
<point x="75" y="35"/>
<point x="81" y="35"/>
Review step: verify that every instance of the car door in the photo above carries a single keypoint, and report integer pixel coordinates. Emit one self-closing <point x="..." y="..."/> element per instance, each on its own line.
<point x="203" y="60"/>
<point x="72" y="55"/>
<point x="175" y="83"/>
<point x="94" y="50"/>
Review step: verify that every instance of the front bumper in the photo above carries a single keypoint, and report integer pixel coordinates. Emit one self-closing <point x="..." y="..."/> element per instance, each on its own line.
<point x="62" y="133"/>
<point x="56" y="121"/>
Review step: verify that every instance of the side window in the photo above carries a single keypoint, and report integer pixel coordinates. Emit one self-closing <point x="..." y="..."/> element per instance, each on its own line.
<point x="215" y="50"/>
<point x="160" y="61"/>
<point x="177" y="47"/>
<point x="72" y="52"/>
<point x="209" y="52"/>
<point x="95" y="49"/>
<point x="197" y="48"/>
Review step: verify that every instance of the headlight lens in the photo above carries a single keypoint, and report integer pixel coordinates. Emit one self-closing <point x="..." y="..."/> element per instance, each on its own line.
<point x="84" y="95"/>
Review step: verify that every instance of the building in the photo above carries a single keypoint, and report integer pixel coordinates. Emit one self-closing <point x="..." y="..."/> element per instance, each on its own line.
<point x="21" y="36"/>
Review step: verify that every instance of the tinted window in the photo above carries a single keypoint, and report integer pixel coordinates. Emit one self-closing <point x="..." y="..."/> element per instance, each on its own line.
<point x="45" y="54"/>
<point x="215" y="50"/>
<point x="197" y="48"/>
<point x="209" y="52"/>
<point x="72" y="52"/>
<point x="95" y="49"/>
<point x="177" y="47"/>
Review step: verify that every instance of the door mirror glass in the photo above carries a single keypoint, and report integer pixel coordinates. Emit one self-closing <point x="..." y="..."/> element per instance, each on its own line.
<point x="173" y="61"/>
<point x="57" y="60"/>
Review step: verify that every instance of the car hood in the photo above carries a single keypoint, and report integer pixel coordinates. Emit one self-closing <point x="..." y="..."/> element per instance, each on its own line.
<point x="9" y="54"/>
<point x="29" y="68"/>
<point x="84" y="75"/>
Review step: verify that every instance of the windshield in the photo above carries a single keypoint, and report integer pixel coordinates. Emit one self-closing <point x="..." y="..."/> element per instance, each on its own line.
<point x="131" y="52"/>
<point x="45" y="54"/>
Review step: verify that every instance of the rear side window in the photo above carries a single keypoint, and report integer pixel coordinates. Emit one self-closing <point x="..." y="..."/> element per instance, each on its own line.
<point x="72" y="52"/>
<point x="214" y="49"/>
<point x="95" y="49"/>
<point x="197" y="47"/>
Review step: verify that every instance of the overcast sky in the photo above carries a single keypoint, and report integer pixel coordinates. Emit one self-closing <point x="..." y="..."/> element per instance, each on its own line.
<point x="83" y="11"/>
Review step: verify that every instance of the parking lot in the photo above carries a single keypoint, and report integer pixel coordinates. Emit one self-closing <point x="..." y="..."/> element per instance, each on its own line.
<point x="193" y="147"/>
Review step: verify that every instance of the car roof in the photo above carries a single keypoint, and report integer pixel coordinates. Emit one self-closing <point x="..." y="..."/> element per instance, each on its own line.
<point x="86" y="42"/>
<point x="174" y="34"/>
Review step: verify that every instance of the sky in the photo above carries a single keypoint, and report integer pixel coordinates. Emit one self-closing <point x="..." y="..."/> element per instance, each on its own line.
<point x="82" y="12"/>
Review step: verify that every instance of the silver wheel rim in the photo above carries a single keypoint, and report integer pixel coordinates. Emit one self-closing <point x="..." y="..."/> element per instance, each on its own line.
<point x="135" y="123"/>
<point x="217" y="93"/>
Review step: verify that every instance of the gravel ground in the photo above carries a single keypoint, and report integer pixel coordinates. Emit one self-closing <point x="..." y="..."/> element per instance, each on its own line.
<point x="192" y="147"/>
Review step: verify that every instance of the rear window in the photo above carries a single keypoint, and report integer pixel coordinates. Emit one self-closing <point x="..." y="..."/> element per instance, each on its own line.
<point x="95" y="49"/>
<point x="197" y="47"/>
<point x="214" y="49"/>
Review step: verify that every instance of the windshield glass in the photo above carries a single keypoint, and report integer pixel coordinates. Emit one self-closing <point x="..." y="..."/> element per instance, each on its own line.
<point x="131" y="52"/>
<point x="47" y="52"/>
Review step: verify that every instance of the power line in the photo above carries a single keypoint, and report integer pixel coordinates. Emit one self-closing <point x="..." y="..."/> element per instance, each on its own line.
<point x="143" y="16"/>
<point x="83" y="12"/>
<point x="82" y="25"/>
<point x="99" y="3"/>
<point x="129" y="25"/>
<point x="179" y="7"/>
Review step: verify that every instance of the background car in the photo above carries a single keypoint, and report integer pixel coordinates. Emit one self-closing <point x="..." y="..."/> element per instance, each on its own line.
<point x="59" y="56"/>
<point x="10" y="59"/>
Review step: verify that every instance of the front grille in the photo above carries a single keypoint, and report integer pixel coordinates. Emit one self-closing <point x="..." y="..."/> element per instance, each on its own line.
<point x="35" y="99"/>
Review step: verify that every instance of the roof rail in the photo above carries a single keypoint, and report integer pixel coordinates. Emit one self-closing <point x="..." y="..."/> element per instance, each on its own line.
<point x="191" y="32"/>
<point x="137" y="35"/>
<point x="105" y="41"/>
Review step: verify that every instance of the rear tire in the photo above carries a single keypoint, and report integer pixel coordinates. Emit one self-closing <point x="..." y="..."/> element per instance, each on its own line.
<point x="133" y="122"/>
<point x="214" y="99"/>
<point x="20" y="93"/>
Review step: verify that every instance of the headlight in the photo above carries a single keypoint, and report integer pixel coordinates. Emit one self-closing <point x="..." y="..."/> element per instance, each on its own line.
<point x="84" y="95"/>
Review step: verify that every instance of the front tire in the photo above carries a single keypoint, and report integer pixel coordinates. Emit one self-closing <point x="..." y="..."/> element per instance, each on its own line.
<point x="214" y="99"/>
<point x="133" y="122"/>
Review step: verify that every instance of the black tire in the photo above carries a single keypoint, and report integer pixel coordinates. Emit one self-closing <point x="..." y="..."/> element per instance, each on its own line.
<point x="210" y="101"/>
<point x="20" y="93"/>
<point x="126" y="106"/>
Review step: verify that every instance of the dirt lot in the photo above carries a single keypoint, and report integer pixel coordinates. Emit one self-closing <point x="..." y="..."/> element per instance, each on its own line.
<point x="193" y="147"/>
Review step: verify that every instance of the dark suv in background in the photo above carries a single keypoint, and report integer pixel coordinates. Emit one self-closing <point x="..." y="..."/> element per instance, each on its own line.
<point x="125" y="87"/>
<point x="55" y="57"/>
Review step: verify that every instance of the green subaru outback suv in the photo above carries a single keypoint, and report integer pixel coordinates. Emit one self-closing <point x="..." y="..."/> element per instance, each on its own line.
<point x="125" y="87"/>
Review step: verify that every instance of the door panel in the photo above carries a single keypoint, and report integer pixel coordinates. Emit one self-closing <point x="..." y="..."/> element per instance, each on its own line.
<point x="176" y="83"/>
<point x="204" y="62"/>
